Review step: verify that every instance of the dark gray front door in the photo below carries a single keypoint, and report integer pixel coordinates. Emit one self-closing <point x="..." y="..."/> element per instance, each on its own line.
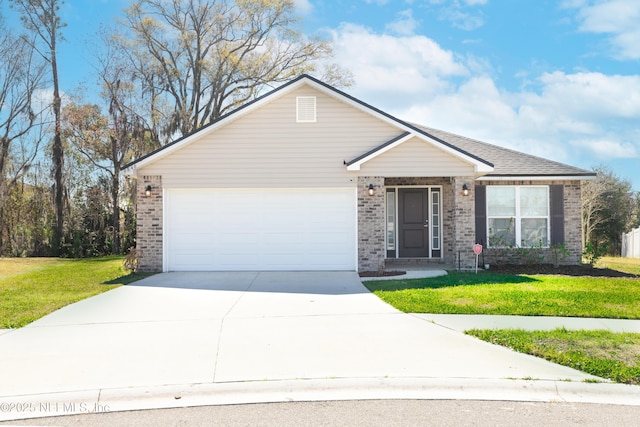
<point x="413" y="222"/>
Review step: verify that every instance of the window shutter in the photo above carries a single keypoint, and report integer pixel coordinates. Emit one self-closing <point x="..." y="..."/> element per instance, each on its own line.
<point x="481" y="214"/>
<point x="556" y="208"/>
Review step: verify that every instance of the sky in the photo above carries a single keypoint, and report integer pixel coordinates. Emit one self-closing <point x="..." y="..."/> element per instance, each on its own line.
<point x="558" y="79"/>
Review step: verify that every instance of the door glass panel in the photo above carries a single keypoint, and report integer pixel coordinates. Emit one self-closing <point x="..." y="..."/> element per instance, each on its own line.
<point x="391" y="220"/>
<point x="435" y="220"/>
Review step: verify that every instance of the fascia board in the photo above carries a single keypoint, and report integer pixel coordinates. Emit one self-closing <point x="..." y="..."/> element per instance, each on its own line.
<point x="356" y="165"/>
<point x="536" y="178"/>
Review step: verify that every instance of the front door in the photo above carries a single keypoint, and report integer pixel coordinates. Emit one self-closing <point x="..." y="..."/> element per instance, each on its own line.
<point x="413" y="222"/>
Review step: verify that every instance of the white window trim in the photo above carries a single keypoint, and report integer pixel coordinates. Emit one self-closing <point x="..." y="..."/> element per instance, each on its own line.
<point x="518" y="218"/>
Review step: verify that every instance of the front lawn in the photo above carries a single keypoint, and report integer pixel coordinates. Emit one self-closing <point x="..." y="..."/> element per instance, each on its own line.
<point x="615" y="356"/>
<point x="603" y="292"/>
<point x="625" y="265"/>
<point x="511" y="294"/>
<point x="33" y="287"/>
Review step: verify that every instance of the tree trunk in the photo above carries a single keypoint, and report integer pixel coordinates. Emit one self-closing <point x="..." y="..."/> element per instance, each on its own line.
<point x="116" y="208"/>
<point x="57" y="158"/>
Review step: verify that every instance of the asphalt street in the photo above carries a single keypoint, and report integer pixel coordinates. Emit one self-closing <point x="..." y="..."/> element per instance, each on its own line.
<point x="388" y="413"/>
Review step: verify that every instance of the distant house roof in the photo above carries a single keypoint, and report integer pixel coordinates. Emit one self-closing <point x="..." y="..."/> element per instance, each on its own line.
<point x="506" y="162"/>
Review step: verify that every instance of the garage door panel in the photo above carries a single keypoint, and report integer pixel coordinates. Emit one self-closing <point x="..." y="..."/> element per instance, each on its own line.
<point x="242" y="240"/>
<point x="192" y="242"/>
<point x="194" y="259"/>
<point x="302" y="229"/>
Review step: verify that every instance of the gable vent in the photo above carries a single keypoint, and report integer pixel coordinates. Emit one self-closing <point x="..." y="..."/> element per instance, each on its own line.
<point x="306" y="109"/>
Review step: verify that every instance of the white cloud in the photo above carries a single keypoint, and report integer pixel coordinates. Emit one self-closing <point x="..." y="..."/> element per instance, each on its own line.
<point x="304" y="7"/>
<point x="459" y="14"/>
<point x="607" y="148"/>
<point x="404" y="25"/>
<point x="594" y="96"/>
<point x="392" y="69"/>
<point x="568" y="117"/>
<point x="462" y="20"/>
<point x="377" y="2"/>
<point x="617" y="18"/>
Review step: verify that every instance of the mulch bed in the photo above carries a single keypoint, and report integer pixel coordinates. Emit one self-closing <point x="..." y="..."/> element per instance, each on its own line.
<point x="563" y="270"/>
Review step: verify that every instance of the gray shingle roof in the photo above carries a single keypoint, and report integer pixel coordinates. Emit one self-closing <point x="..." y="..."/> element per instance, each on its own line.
<point x="506" y="162"/>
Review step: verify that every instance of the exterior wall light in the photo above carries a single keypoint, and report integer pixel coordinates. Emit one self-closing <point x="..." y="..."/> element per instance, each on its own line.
<point x="465" y="190"/>
<point x="147" y="190"/>
<point x="371" y="189"/>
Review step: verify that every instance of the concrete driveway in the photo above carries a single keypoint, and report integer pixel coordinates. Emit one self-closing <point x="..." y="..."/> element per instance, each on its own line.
<point x="247" y="330"/>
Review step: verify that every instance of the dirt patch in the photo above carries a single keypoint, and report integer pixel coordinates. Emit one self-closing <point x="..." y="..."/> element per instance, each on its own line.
<point x="563" y="270"/>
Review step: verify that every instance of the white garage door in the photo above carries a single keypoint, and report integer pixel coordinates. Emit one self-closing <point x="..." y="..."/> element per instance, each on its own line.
<point x="293" y="229"/>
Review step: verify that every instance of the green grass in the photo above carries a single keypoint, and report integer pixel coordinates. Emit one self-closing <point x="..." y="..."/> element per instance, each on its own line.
<point x="615" y="356"/>
<point x="626" y="265"/>
<point x="488" y="293"/>
<point x="33" y="287"/>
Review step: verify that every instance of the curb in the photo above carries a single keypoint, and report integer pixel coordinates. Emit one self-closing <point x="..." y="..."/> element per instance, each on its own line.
<point x="306" y="390"/>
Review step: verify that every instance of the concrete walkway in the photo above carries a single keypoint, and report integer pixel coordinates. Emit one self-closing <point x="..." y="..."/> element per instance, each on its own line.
<point x="184" y="339"/>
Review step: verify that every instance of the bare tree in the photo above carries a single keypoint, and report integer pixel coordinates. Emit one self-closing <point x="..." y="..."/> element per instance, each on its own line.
<point x="592" y="206"/>
<point x="607" y="209"/>
<point x="20" y="77"/>
<point x="204" y="58"/>
<point x="109" y="141"/>
<point x="41" y="18"/>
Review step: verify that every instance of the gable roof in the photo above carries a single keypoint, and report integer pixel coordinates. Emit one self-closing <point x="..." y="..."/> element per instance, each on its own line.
<point x="481" y="166"/>
<point x="489" y="161"/>
<point x="510" y="163"/>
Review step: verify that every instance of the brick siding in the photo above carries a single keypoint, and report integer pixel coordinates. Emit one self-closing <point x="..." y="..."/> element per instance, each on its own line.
<point x="149" y="224"/>
<point x="371" y="224"/>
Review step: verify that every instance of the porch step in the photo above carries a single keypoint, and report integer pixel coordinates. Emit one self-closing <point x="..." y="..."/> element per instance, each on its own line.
<point x="416" y="264"/>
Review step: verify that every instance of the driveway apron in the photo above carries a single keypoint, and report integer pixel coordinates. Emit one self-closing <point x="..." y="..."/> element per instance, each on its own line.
<point x="196" y="328"/>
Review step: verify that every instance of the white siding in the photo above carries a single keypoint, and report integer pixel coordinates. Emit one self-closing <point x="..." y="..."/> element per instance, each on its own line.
<point x="416" y="158"/>
<point x="267" y="148"/>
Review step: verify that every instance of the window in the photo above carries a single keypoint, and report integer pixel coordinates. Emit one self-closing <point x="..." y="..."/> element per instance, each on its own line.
<point x="518" y="216"/>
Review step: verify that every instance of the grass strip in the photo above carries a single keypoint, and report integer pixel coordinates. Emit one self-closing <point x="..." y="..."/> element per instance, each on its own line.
<point x="614" y="356"/>
<point x="31" y="288"/>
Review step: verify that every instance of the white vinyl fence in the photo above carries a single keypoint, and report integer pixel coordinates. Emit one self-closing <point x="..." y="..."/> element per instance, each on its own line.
<point x="631" y="244"/>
